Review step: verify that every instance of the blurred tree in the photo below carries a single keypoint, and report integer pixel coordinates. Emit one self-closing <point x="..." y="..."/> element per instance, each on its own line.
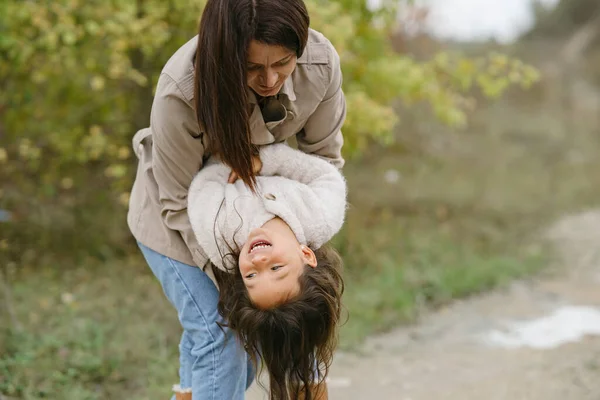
<point x="564" y="19"/>
<point x="575" y="26"/>
<point x="76" y="81"/>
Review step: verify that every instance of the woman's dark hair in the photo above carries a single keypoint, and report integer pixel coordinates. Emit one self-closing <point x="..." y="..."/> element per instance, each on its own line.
<point x="295" y="341"/>
<point x="226" y="29"/>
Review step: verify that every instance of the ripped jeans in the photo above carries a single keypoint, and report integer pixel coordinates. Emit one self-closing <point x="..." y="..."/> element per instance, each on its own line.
<point x="211" y="361"/>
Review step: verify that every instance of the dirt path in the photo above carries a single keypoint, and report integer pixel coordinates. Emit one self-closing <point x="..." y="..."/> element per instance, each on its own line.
<point x="534" y="340"/>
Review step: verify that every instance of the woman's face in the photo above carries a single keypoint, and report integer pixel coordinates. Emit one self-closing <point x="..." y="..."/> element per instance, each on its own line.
<point x="268" y="67"/>
<point x="271" y="262"/>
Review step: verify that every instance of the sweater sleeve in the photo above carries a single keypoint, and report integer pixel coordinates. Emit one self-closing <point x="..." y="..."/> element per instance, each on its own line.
<point x="315" y="204"/>
<point x="281" y="160"/>
<point x="205" y="200"/>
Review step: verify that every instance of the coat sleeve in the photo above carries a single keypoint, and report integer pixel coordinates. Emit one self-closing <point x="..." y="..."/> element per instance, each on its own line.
<point x="322" y="133"/>
<point x="177" y="154"/>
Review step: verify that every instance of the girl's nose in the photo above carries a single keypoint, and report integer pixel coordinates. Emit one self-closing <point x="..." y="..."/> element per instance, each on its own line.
<point x="260" y="259"/>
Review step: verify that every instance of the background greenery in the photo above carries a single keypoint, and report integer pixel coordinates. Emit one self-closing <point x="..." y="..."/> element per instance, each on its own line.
<point x="77" y="78"/>
<point x="439" y="209"/>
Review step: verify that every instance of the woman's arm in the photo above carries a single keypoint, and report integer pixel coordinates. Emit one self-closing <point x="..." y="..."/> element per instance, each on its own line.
<point x="176" y="158"/>
<point x="322" y="133"/>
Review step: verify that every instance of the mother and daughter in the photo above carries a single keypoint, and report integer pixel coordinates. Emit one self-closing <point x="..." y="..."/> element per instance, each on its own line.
<point x="232" y="221"/>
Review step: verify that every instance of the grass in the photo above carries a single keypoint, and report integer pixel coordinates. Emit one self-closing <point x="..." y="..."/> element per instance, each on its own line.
<point x="98" y="332"/>
<point x="462" y="215"/>
<point x="425" y="269"/>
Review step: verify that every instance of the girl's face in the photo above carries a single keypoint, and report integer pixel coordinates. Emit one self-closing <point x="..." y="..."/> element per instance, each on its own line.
<point x="268" y="67"/>
<point x="271" y="262"/>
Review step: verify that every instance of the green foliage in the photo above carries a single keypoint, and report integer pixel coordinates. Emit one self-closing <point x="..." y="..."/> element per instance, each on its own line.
<point x="375" y="75"/>
<point x="76" y="81"/>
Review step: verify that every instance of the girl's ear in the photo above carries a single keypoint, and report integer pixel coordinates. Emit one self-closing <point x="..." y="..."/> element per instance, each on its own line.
<point x="308" y="256"/>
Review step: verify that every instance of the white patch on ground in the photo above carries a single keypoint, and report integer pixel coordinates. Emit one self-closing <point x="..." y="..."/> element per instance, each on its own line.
<point x="566" y="325"/>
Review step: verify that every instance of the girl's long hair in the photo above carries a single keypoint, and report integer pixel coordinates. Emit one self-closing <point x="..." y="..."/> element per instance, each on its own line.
<point x="295" y="340"/>
<point x="226" y="29"/>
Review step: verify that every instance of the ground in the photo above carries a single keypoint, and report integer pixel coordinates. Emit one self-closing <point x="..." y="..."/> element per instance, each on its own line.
<point x="451" y="354"/>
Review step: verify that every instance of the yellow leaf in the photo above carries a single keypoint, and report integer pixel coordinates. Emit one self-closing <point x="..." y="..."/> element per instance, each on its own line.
<point x="123" y="153"/>
<point x="116" y="71"/>
<point x="97" y="83"/>
<point x="95" y="130"/>
<point x="95" y="154"/>
<point x="124" y="198"/>
<point x="66" y="183"/>
<point x="38" y="77"/>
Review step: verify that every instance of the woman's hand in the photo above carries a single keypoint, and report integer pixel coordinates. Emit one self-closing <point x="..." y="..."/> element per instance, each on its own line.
<point x="256" y="167"/>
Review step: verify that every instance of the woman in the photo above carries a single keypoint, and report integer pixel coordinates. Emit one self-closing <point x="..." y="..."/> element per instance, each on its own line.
<point x="255" y="75"/>
<point x="280" y="285"/>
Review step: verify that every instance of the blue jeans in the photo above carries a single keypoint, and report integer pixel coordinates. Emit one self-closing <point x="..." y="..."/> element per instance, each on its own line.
<point x="211" y="361"/>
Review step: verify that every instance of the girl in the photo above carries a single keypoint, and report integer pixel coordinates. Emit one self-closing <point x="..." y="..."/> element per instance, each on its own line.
<point x="255" y="75"/>
<point x="282" y="293"/>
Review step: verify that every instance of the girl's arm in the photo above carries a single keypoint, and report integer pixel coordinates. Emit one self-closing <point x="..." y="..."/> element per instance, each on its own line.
<point x="281" y="160"/>
<point x="205" y="202"/>
<point x="315" y="202"/>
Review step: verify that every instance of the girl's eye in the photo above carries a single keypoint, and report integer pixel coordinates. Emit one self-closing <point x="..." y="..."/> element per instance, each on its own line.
<point x="275" y="268"/>
<point x="249" y="276"/>
<point x="254" y="67"/>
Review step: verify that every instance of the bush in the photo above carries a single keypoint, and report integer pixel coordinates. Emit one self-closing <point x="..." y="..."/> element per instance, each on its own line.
<point x="76" y="81"/>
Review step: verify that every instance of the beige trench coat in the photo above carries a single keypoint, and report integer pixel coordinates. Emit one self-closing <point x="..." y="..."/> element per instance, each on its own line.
<point x="311" y="106"/>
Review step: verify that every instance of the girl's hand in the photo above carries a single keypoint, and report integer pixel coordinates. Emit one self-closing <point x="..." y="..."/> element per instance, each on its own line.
<point x="256" y="167"/>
